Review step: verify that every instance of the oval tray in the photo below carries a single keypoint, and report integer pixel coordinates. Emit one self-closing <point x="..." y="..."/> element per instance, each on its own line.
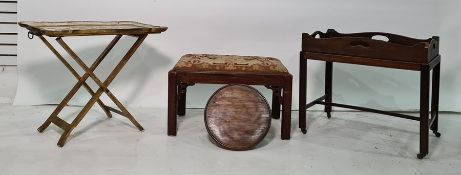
<point x="237" y="117"/>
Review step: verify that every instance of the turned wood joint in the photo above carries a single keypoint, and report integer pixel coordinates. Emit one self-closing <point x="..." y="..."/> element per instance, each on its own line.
<point x="182" y="87"/>
<point x="274" y="88"/>
<point x="276" y="91"/>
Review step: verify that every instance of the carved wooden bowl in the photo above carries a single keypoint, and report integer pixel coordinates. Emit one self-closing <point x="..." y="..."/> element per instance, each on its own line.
<point x="237" y="117"/>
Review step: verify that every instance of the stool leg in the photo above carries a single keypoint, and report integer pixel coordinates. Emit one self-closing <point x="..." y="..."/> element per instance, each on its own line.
<point x="435" y="99"/>
<point x="286" y="108"/>
<point x="172" y="101"/>
<point x="302" y="93"/>
<point x="276" y="96"/>
<point x="424" y="112"/>
<point x="328" y="87"/>
<point x="182" y="90"/>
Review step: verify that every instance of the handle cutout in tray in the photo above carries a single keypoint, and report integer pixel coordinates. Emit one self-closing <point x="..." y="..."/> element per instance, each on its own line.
<point x="380" y="37"/>
<point x="360" y="44"/>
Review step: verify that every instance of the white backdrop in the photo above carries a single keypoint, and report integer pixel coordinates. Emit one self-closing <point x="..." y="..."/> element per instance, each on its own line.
<point x="245" y="27"/>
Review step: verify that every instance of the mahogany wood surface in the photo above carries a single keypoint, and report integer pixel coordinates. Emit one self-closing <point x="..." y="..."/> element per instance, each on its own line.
<point x="397" y="48"/>
<point x="397" y="52"/>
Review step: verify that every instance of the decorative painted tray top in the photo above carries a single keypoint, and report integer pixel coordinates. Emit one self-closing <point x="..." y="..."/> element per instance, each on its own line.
<point x="237" y="117"/>
<point x="86" y="28"/>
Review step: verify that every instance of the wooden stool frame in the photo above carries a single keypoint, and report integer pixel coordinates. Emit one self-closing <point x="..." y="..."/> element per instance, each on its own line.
<point x="281" y="85"/>
<point x="103" y="86"/>
<point x="424" y="68"/>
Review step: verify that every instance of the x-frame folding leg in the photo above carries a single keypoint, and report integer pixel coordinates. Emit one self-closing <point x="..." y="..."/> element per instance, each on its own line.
<point x="76" y="75"/>
<point x="95" y="95"/>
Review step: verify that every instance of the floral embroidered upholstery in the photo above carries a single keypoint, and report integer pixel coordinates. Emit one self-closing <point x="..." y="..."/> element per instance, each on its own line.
<point x="231" y="63"/>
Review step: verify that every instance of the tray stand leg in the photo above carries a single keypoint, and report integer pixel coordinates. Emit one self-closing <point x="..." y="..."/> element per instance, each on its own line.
<point x="424" y="112"/>
<point x="328" y="87"/>
<point x="302" y="92"/>
<point x="95" y="96"/>
<point x="435" y="100"/>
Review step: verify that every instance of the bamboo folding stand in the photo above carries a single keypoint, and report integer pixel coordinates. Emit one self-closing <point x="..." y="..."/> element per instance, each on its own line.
<point x="87" y="28"/>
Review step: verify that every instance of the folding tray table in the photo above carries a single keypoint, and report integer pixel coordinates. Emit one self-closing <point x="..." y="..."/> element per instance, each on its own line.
<point x="89" y="28"/>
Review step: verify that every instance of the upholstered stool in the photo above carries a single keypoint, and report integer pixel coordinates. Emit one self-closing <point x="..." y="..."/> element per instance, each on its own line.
<point x="229" y="69"/>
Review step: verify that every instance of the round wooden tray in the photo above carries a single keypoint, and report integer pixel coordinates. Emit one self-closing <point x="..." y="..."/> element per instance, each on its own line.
<point x="237" y="117"/>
